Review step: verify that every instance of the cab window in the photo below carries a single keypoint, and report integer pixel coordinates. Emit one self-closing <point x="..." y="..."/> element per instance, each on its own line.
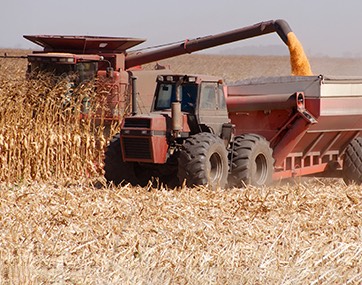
<point x="167" y="94"/>
<point x="222" y="101"/>
<point x="164" y="96"/>
<point x="208" y="96"/>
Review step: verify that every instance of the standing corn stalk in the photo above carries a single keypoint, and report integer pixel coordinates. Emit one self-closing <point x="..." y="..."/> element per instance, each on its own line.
<point x="42" y="134"/>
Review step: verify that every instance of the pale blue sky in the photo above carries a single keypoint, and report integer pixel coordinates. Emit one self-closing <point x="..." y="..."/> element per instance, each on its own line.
<point x="328" y="27"/>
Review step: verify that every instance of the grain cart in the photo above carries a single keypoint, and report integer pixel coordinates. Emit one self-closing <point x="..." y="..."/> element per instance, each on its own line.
<point x="295" y="126"/>
<point x="108" y="60"/>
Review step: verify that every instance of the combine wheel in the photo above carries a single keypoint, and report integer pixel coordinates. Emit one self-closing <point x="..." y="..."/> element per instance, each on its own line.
<point x="352" y="164"/>
<point x="251" y="161"/>
<point x="116" y="170"/>
<point x="203" y="161"/>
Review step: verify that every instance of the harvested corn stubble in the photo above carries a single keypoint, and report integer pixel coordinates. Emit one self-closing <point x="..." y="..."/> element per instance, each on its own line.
<point x="290" y="234"/>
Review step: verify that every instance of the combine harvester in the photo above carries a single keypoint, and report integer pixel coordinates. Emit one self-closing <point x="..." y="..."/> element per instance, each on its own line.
<point x="200" y="132"/>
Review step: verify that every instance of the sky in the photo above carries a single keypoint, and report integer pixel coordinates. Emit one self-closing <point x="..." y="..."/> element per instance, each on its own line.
<point x="324" y="27"/>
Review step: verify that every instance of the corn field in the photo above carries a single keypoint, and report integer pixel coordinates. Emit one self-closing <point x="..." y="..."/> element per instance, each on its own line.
<point x="42" y="135"/>
<point x="61" y="224"/>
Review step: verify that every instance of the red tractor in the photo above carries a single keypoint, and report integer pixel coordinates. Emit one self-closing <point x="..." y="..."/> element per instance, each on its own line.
<point x="185" y="137"/>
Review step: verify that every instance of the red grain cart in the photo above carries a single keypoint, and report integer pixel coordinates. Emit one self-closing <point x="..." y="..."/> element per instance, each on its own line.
<point x="312" y="125"/>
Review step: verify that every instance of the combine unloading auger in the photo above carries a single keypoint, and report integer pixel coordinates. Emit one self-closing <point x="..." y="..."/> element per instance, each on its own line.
<point x="298" y="59"/>
<point x="299" y="62"/>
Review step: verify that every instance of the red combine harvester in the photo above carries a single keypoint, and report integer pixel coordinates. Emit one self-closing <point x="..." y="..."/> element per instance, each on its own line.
<point x="200" y="132"/>
<point x="95" y="57"/>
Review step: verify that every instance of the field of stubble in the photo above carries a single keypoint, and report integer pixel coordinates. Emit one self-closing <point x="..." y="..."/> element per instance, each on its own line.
<point x="61" y="225"/>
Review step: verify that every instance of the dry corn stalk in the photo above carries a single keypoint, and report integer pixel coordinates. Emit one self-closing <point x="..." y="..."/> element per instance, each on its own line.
<point x="42" y="135"/>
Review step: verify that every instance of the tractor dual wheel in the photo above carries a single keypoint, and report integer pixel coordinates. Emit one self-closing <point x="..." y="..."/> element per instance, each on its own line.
<point x="251" y="161"/>
<point x="352" y="164"/>
<point x="203" y="161"/>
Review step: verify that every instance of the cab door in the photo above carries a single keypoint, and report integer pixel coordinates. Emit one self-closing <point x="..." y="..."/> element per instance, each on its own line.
<point x="212" y="111"/>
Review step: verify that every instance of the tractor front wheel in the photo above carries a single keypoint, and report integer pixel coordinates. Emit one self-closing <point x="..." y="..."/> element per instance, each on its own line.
<point x="352" y="163"/>
<point x="203" y="161"/>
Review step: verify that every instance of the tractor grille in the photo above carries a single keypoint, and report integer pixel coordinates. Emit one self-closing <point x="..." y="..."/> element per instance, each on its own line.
<point x="137" y="123"/>
<point x="137" y="148"/>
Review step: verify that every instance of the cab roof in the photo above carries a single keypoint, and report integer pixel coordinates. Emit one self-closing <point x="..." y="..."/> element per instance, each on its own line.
<point x="197" y="77"/>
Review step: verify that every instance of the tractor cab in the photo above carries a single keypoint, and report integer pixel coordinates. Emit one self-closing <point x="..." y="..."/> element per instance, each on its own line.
<point x="200" y="97"/>
<point x="166" y="94"/>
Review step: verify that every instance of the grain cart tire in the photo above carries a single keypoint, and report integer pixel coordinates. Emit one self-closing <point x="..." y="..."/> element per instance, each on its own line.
<point x="203" y="161"/>
<point x="251" y="161"/>
<point x="115" y="169"/>
<point x="352" y="164"/>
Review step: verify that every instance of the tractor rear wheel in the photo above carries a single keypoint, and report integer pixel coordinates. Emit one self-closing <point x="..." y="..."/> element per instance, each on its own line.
<point x="115" y="169"/>
<point x="203" y="161"/>
<point x="352" y="164"/>
<point x="251" y="161"/>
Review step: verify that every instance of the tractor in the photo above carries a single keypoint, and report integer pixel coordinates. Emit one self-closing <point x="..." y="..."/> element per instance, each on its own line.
<point x="184" y="139"/>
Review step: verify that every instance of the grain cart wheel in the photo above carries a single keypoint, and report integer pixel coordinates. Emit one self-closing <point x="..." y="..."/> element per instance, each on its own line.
<point x="203" y="161"/>
<point x="251" y="161"/>
<point x="352" y="164"/>
<point x="116" y="170"/>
